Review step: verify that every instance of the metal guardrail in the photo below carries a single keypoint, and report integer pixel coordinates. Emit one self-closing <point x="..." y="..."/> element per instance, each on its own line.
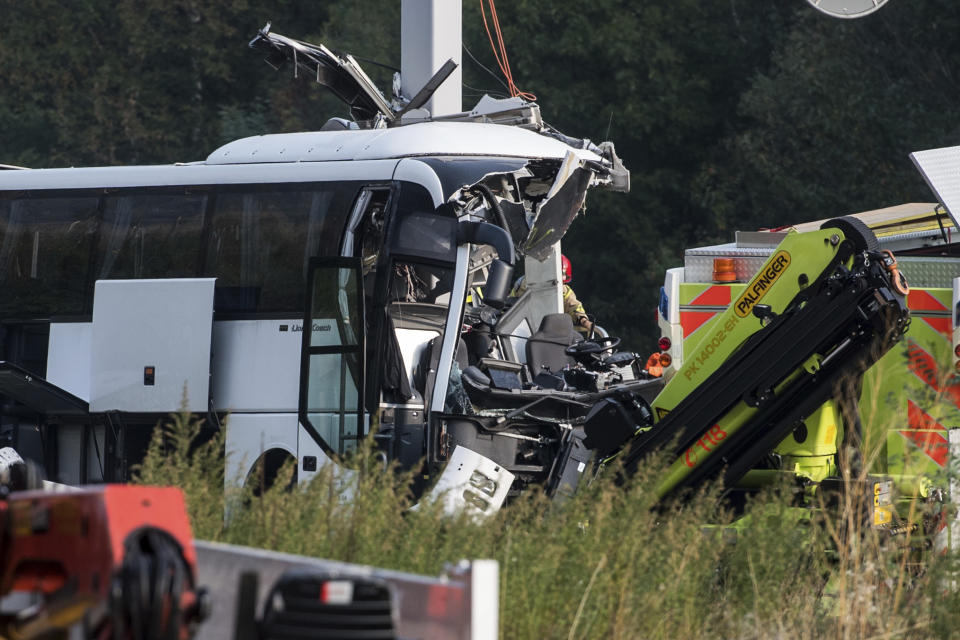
<point x="462" y="603"/>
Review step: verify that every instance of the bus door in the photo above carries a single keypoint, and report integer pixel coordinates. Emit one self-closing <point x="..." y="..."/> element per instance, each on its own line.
<point x="332" y="362"/>
<point x="415" y="288"/>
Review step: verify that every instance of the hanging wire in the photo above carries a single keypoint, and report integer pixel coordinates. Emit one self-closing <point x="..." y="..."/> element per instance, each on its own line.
<point x="500" y="52"/>
<point x="479" y="93"/>
<point x="484" y="67"/>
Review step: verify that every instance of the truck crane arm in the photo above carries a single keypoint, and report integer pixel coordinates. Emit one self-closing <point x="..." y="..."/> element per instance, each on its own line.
<point x="823" y="309"/>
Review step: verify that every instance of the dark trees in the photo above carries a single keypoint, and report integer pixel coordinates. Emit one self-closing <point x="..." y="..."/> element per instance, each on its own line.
<point x="731" y="114"/>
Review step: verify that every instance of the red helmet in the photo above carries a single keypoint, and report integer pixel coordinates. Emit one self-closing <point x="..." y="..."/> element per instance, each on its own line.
<point x="566" y="268"/>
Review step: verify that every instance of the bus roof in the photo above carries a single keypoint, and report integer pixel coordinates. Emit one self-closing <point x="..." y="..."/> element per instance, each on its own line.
<point x="290" y="157"/>
<point x="195" y="173"/>
<point x="421" y="139"/>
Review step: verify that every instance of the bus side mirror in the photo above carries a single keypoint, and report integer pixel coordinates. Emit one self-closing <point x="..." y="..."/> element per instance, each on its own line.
<point x="486" y="233"/>
<point x="500" y="275"/>
<point x="499" y="281"/>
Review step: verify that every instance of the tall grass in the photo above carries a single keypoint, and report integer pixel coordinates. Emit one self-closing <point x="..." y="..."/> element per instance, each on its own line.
<point x="604" y="564"/>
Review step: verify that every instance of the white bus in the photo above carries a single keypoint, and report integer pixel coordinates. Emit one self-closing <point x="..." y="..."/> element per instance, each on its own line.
<point x="125" y="290"/>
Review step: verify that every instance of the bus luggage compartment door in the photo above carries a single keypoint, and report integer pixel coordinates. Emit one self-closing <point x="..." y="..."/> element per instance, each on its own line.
<point x="151" y="345"/>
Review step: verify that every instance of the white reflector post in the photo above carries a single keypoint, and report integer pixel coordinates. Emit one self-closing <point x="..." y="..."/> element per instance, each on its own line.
<point x="941" y="169"/>
<point x="484" y="600"/>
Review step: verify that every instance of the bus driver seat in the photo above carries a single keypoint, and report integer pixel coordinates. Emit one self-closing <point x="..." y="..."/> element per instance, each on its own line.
<point x="545" y="348"/>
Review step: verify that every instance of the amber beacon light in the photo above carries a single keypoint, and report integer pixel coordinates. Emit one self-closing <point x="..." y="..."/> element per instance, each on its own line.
<point x="724" y="270"/>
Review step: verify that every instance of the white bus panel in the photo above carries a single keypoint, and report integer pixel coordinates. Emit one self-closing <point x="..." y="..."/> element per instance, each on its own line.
<point x="151" y="345"/>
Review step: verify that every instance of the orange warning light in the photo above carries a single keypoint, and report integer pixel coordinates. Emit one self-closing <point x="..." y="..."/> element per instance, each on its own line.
<point x="724" y="270"/>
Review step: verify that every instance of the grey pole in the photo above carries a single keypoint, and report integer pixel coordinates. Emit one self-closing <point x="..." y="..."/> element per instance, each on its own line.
<point x="430" y="35"/>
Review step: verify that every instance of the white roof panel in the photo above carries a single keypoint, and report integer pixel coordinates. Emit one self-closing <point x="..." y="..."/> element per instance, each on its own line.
<point x="192" y="174"/>
<point x="941" y="169"/>
<point x="421" y="139"/>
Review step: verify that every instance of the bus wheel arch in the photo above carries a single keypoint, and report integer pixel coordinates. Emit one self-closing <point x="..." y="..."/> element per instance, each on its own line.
<point x="263" y="473"/>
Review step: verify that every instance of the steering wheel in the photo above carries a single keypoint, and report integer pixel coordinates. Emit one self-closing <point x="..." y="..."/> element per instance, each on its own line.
<point x="591" y="347"/>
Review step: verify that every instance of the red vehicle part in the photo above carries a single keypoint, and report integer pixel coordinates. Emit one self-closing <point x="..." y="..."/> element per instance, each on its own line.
<point x="119" y="559"/>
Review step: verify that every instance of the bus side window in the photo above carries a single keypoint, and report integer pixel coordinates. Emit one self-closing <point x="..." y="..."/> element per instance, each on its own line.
<point x="260" y="244"/>
<point x="44" y="254"/>
<point x="150" y="236"/>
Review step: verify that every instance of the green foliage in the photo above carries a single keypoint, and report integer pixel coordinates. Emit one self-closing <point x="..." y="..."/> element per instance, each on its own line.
<point x="601" y="565"/>
<point x="178" y="457"/>
<point x="131" y="82"/>
<point x="830" y="124"/>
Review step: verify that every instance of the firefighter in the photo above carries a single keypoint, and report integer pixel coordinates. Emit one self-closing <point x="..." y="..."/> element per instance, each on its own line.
<point x="571" y="306"/>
